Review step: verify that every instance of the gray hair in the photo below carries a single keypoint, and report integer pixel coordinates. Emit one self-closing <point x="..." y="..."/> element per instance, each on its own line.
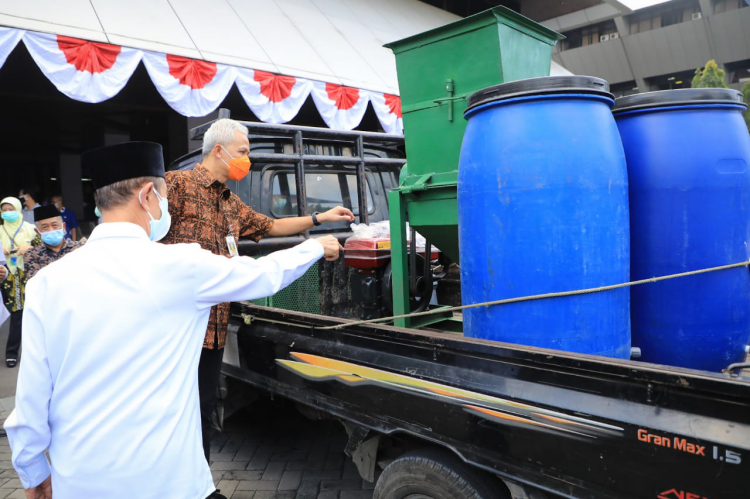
<point x="221" y="133"/>
<point x="119" y="193"/>
<point x="59" y="218"/>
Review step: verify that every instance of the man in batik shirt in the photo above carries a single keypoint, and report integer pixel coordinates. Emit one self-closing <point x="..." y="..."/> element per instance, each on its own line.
<point x="51" y="228"/>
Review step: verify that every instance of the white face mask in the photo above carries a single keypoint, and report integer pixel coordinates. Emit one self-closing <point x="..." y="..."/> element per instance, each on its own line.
<point x="159" y="228"/>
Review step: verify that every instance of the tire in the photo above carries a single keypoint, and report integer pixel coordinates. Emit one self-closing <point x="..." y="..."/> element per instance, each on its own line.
<point x="435" y="474"/>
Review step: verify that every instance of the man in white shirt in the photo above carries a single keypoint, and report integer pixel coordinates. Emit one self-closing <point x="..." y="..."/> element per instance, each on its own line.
<point x="112" y="338"/>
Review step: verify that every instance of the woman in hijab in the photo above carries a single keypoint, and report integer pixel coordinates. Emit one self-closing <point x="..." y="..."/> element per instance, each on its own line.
<point x="16" y="237"/>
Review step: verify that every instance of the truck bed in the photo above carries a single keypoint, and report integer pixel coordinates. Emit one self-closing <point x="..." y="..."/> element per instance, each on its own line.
<point x="576" y="426"/>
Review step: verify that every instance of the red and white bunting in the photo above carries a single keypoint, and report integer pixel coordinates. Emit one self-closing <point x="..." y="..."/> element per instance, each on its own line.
<point x="342" y="108"/>
<point x="272" y="98"/>
<point x="9" y="38"/>
<point x="190" y="86"/>
<point x="83" y="70"/>
<point x="388" y="109"/>
<point x="94" y="72"/>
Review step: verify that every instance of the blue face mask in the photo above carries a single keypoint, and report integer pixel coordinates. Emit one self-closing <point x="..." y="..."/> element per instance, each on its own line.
<point x="159" y="228"/>
<point x="53" y="237"/>
<point x="11" y="216"/>
<point x="97" y="212"/>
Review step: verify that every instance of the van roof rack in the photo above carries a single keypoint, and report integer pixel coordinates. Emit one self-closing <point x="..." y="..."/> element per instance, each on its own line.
<point x="298" y="158"/>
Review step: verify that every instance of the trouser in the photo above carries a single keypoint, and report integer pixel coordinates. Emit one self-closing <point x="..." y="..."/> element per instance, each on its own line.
<point x="209" y="370"/>
<point x="14" y="335"/>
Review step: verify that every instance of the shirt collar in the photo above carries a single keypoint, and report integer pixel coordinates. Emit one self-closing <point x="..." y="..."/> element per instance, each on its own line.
<point x="118" y="229"/>
<point x="207" y="180"/>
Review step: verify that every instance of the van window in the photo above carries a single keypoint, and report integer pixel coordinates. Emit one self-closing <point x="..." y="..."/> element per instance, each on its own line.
<point x="325" y="190"/>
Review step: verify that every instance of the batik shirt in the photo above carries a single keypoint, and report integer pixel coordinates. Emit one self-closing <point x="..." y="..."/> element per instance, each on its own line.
<point x="205" y="211"/>
<point x="40" y="256"/>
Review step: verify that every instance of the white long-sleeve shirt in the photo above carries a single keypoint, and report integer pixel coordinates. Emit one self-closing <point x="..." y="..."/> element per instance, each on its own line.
<point x="112" y="335"/>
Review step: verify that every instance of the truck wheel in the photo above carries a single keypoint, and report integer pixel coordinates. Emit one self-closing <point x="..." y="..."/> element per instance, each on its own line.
<point x="428" y="474"/>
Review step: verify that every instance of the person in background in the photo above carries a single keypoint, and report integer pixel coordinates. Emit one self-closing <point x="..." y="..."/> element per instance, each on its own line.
<point x="29" y="200"/>
<point x="51" y="228"/>
<point x="206" y="212"/>
<point x="71" y="223"/>
<point x="17" y="238"/>
<point x="4" y="314"/>
<point x="112" y="340"/>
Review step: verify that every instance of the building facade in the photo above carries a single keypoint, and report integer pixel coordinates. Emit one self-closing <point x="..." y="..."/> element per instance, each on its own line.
<point x="659" y="47"/>
<point x="653" y="48"/>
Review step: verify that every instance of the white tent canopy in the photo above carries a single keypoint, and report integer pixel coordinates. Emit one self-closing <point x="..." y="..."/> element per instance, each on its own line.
<point x="336" y="41"/>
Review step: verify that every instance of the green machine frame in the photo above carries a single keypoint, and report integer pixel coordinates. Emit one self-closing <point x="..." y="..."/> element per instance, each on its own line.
<point x="437" y="71"/>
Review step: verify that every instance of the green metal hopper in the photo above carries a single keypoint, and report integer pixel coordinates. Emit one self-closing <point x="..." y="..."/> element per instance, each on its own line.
<point x="437" y="71"/>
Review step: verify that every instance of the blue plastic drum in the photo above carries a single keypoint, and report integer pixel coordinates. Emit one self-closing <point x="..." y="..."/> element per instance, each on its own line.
<point x="543" y="207"/>
<point x="688" y="153"/>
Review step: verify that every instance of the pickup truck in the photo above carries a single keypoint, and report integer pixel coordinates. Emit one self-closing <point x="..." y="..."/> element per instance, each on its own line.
<point x="433" y="414"/>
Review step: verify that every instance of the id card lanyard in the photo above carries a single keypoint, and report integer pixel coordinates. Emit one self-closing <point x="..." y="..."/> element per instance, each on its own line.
<point x="231" y="243"/>
<point x="13" y="261"/>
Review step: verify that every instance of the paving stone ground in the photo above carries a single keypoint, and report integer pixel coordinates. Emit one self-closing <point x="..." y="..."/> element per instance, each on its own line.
<point x="265" y="452"/>
<point x="10" y="485"/>
<point x="271" y="452"/>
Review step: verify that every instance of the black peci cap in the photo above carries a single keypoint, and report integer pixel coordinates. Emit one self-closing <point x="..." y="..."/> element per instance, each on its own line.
<point x="678" y="97"/>
<point x="45" y="212"/>
<point x="545" y="85"/>
<point x="116" y="163"/>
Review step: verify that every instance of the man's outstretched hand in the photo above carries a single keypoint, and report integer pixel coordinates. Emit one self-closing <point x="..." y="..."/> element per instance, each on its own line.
<point x="331" y="247"/>
<point x="337" y="214"/>
<point x="41" y="491"/>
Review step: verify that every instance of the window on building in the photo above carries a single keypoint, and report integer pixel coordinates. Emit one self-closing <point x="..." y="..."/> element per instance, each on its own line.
<point x="623" y="89"/>
<point x="738" y="72"/>
<point x="674" y="12"/>
<point x="672" y="81"/>
<point x="670" y="18"/>
<point x="721" y="6"/>
<point x="641" y="23"/>
<point x="573" y="41"/>
<point x="590" y="35"/>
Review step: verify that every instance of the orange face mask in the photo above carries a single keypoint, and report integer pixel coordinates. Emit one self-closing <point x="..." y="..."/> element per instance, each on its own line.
<point x="238" y="167"/>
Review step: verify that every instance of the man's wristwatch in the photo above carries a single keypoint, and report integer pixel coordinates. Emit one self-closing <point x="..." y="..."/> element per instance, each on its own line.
<point x="315" y="219"/>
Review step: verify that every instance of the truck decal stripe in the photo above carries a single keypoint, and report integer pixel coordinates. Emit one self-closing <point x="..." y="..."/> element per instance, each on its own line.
<point x="318" y="368"/>
<point x="495" y="415"/>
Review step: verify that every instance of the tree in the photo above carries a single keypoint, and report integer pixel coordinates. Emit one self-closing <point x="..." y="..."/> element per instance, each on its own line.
<point x="710" y="77"/>
<point x="746" y="98"/>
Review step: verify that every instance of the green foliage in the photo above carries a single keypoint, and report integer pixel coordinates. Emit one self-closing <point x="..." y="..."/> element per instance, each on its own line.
<point x="710" y="77"/>
<point x="746" y="98"/>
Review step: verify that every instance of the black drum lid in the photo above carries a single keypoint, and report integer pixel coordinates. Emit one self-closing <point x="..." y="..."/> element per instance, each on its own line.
<point x="678" y="97"/>
<point x="545" y="85"/>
